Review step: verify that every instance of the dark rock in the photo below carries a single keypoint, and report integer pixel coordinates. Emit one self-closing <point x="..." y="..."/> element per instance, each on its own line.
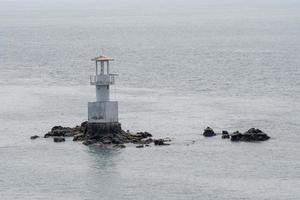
<point x="78" y="137"/>
<point x="116" y="140"/>
<point x="135" y="141"/>
<point x="83" y="127"/>
<point x="236" y="136"/>
<point x="140" y="146"/>
<point x="59" y="131"/>
<point x="89" y="142"/>
<point x="209" y="132"/>
<point x="167" y="139"/>
<point x="225" y="132"/>
<point x="103" y="134"/>
<point x="251" y="135"/>
<point x="254" y="134"/>
<point x="225" y="135"/>
<point x="34" y="137"/>
<point x="83" y="124"/>
<point x="143" y="134"/>
<point x="160" y="142"/>
<point x="58" y="139"/>
<point x="47" y="135"/>
<point x="56" y="128"/>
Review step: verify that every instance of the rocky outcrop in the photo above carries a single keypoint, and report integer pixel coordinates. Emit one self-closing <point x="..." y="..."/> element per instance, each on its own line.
<point x="103" y="134"/>
<point x="209" y="132"/>
<point x="251" y="135"/>
<point x="60" y="131"/>
<point x="254" y="134"/>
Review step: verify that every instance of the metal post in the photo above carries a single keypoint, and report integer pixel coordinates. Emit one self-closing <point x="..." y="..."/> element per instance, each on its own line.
<point x="102" y="67"/>
<point x="107" y="67"/>
<point x="96" y="68"/>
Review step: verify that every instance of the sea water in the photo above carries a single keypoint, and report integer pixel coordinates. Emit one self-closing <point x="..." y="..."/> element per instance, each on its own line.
<point x="182" y="65"/>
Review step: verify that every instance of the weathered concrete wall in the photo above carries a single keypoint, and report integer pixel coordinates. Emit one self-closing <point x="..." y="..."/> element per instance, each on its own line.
<point x="102" y="92"/>
<point x="106" y="111"/>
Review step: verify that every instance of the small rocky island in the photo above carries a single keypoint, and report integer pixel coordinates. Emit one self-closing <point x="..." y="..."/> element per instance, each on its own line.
<point x="252" y="135"/>
<point x="103" y="127"/>
<point x="103" y="135"/>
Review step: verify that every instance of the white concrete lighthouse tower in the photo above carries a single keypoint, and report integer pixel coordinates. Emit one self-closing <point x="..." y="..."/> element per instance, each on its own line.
<point x="102" y="110"/>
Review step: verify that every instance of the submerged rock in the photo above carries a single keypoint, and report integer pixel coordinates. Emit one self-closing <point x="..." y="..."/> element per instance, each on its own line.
<point x="209" y="132"/>
<point x="58" y="139"/>
<point x="34" y="137"/>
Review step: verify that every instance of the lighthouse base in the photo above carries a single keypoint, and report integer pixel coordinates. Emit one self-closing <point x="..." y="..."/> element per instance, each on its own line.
<point x="96" y="130"/>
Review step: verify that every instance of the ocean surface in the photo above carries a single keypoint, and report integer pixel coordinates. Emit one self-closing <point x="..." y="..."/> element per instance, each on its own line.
<point x="183" y="66"/>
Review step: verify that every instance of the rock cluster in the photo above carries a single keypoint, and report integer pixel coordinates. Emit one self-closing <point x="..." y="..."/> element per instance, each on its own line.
<point x="112" y="134"/>
<point x="103" y="135"/>
<point x="251" y="135"/>
<point x="59" y="131"/>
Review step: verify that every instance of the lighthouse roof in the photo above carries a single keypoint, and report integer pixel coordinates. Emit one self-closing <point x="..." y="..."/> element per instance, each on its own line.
<point x="102" y="58"/>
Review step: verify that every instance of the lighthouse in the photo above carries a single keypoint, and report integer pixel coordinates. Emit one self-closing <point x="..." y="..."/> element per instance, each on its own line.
<point x="103" y="110"/>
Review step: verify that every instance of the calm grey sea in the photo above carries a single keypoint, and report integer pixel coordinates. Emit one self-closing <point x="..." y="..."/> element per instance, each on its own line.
<point x="182" y="66"/>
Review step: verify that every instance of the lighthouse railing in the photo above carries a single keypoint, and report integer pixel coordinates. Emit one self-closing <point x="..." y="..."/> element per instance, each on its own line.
<point x="103" y="79"/>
